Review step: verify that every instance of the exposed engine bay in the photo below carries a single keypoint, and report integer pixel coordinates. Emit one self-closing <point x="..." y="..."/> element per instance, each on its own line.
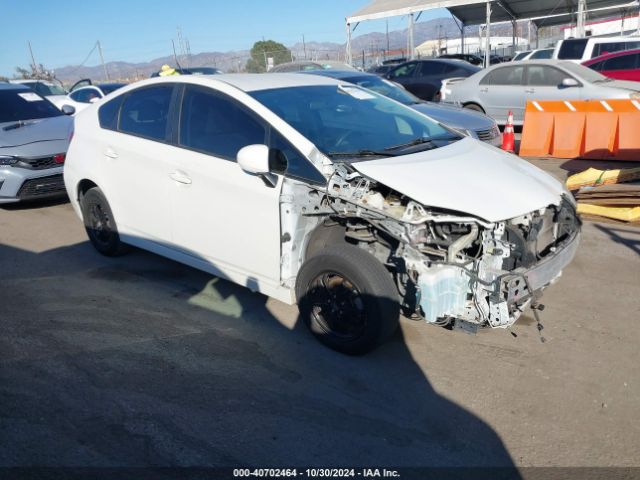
<point x="450" y="269"/>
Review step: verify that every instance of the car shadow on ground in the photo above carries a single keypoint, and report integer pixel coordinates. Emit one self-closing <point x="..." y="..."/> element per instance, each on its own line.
<point x="139" y="361"/>
<point x="628" y="237"/>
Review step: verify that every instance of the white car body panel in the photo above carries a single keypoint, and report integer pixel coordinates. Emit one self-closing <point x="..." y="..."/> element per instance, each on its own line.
<point x="241" y="240"/>
<point x="468" y="176"/>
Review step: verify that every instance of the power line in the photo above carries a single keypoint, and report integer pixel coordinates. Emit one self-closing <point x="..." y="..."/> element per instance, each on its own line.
<point x="84" y="61"/>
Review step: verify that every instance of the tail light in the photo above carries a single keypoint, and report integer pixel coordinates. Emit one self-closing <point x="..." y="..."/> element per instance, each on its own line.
<point x="59" y="158"/>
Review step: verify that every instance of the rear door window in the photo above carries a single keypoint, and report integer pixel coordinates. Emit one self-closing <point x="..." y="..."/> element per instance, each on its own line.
<point x="623" y="62"/>
<point x="543" y="76"/>
<point x="432" y="68"/>
<point x="572" y="49"/>
<point x="84" y="95"/>
<point x="144" y="112"/>
<point x="609" y="47"/>
<point x="504" y="76"/>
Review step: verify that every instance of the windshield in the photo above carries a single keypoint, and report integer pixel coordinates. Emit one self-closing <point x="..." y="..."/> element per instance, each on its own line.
<point x="19" y="105"/>
<point x="584" y="73"/>
<point x="386" y="88"/>
<point x="46" y="89"/>
<point x="521" y="55"/>
<point x="349" y="122"/>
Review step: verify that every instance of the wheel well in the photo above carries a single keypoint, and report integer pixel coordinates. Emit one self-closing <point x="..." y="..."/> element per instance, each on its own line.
<point x="474" y="103"/>
<point x="84" y="186"/>
<point x="325" y="234"/>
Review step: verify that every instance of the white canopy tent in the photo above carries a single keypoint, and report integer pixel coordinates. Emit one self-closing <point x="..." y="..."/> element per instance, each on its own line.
<point x="473" y="12"/>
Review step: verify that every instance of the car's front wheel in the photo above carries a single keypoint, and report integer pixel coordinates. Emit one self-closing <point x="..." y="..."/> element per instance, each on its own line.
<point x="100" y="224"/>
<point x="348" y="299"/>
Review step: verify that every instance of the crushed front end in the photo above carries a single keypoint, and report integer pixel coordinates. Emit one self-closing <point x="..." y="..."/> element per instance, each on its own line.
<point x="453" y="268"/>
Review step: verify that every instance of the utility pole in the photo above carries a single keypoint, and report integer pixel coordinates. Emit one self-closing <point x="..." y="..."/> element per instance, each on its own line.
<point x="304" y="47"/>
<point x="387" y="38"/>
<point x="582" y="4"/>
<point x="33" y="60"/>
<point x="106" y="73"/>
<point x="175" y="57"/>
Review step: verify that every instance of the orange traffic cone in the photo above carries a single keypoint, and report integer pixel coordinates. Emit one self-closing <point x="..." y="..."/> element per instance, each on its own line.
<point x="508" y="137"/>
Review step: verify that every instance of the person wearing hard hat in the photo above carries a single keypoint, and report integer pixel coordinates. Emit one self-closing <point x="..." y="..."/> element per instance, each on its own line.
<point x="166" y="70"/>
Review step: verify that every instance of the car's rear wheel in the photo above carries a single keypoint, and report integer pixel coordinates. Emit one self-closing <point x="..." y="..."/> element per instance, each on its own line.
<point x="100" y="224"/>
<point x="474" y="106"/>
<point x="348" y="299"/>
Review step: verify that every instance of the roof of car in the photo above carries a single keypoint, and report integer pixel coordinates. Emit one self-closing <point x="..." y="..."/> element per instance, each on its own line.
<point x="340" y="74"/>
<point x="13" y="86"/>
<point x="258" y="81"/>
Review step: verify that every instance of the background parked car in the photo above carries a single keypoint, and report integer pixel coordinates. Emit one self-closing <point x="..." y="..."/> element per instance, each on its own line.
<point x="302" y="65"/>
<point x="539" y="54"/>
<point x="424" y="78"/>
<point x="53" y="92"/>
<point x="82" y="96"/>
<point x="194" y="71"/>
<point x="34" y="137"/>
<point x="623" y="65"/>
<point x="582" y="49"/>
<point x="497" y="90"/>
<point x="474" y="124"/>
<point x="467" y="57"/>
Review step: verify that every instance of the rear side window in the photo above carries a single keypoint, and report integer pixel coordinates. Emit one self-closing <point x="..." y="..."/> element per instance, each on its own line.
<point x="217" y="125"/>
<point x="543" y="76"/>
<point x="504" y="76"/>
<point x="623" y="62"/>
<point x="610" y="47"/>
<point x="144" y="112"/>
<point x="108" y="113"/>
<point x="572" y="49"/>
<point x="432" y="68"/>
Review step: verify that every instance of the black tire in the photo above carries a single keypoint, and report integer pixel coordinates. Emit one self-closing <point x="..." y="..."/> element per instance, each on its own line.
<point x="347" y="299"/>
<point x="475" y="107"/>
<point x="100" y="224"/>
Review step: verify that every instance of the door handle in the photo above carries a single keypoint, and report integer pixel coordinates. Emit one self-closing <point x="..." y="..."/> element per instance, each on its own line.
<point x="484" y="90"/>
<point x="529" y="90"/>
<point x="180" y="177"/>
<point x="110" y="153"/>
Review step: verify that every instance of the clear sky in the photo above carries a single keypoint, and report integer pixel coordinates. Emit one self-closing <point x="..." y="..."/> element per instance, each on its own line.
<point x="63" y="32"/>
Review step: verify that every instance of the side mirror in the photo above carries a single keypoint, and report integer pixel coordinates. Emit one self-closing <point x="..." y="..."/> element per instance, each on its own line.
<point x="68" y="109"/>
<point x="569" y="82"/>
<point x="254" y="159"/>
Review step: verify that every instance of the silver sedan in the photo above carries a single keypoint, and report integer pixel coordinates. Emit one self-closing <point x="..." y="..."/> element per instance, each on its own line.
<point x="507" y="87"/>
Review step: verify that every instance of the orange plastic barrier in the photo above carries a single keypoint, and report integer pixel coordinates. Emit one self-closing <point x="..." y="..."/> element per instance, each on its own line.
<point x="595" y="129"/>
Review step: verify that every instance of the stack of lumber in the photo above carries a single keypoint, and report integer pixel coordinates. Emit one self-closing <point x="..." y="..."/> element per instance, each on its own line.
<point x="613" y="194"/>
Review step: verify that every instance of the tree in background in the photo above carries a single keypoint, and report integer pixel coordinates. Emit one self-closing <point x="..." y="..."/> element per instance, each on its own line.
<point x="34" y="72"/>
<point x="264" y="49"/>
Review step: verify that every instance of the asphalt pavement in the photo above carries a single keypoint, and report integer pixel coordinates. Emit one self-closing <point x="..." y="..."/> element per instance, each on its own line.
<point x="140" y="361"/>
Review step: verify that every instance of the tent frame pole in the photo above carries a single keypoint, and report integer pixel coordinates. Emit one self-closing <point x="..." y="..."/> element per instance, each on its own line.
<point x="487" y="32"/>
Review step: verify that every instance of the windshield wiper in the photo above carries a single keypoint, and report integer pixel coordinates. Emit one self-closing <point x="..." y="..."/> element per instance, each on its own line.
<point x="362" y="153"/>
<point x="412" y="143"/>
<point x="19" y="124"/>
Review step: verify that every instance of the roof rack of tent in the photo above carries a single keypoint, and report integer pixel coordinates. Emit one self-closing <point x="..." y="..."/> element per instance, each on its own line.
<point x="476" y="12"/>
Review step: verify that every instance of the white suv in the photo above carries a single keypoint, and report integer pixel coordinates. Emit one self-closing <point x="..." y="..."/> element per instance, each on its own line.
<point x="582" y="49"/>
<point x="320" y="192"/>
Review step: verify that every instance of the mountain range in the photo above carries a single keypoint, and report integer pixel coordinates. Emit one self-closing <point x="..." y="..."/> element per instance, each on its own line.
<point x="234" y="61"/>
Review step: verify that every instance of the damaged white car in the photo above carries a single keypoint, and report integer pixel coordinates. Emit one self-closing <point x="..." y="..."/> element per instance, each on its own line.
<point x="319" y="192"/>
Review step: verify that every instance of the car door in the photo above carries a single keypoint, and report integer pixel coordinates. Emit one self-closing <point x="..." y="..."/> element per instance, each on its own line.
<point x="223" y="215"/>
<point x="501" y="92"/>
<point x="427" y="80"/>
<point x="83" y="97"/>
<point x="544" y="82"/>
<point x="139" y="163"/>
<point x="622" y="67"/>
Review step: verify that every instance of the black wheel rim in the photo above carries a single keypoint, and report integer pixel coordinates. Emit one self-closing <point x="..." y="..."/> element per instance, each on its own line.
<point x="337" y="306"/>
<point x="100" y="224"/>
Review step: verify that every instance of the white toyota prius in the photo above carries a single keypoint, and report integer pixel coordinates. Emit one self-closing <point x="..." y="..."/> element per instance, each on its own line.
<point x="320" y="192"/>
